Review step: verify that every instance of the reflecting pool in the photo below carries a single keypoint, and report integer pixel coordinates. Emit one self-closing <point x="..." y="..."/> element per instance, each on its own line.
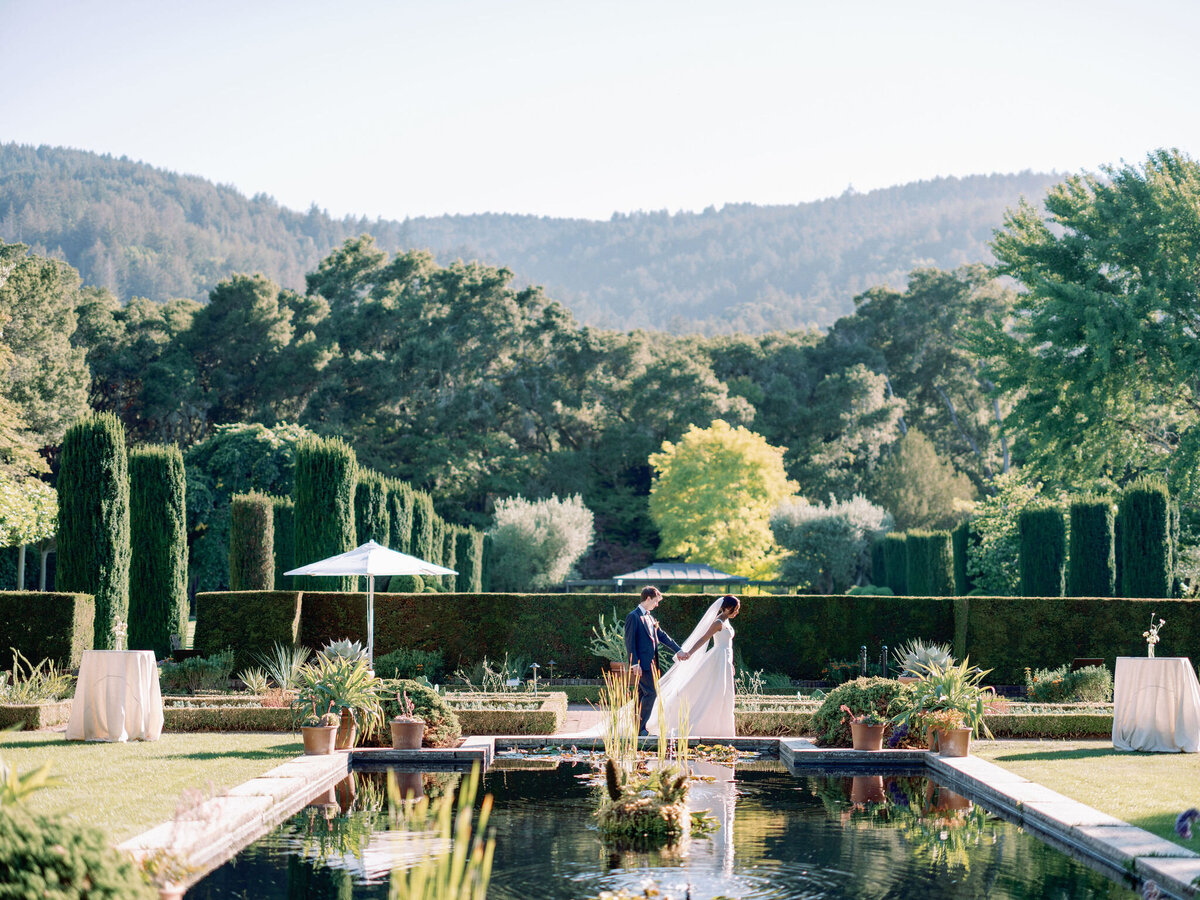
<point x="779" y="836"/>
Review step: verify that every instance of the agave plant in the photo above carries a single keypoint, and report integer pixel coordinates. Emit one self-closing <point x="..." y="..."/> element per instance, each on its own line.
<point x="918" y="657"/>
<point x="283" y="664"/>
<point x="350" y="651"/>
<point x="255" y="680"/>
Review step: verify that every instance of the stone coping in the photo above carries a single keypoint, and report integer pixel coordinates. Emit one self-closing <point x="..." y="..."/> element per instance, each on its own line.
<point x="214" y="831"/>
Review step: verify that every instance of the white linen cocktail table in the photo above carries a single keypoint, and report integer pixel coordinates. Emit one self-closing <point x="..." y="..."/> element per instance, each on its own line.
<point x="116" y="698"/>
<point x="1156" y="705"/>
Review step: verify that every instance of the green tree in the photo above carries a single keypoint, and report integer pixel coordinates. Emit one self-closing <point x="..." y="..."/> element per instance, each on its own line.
<point x="28" y="515"/>
<point x="1147" y="542"/>
<point x="536" y="542"/>
<point x="1092" y="560"/>
<point x="1100" y="353"/>
<point x="423" y="526"/>
<point x="372" y="521"/>
<point x="283" y="526"/>
<point x="829" y="547"/>
<point x="400" y="516"/>
<point x="994" y="561"/>
<point x="158" y="602"/>
<point x="326" y="474"/>
<point x="93" y="521"/>
<point x="251" y="543"/>
<point x="712" y="498"/>
<point x="450" y="556"/>
<point x="1042" y="550"/>
<point x="919" y="488"/>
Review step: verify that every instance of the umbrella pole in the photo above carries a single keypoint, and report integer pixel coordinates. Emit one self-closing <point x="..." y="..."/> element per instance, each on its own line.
<point x="370" y="621"/>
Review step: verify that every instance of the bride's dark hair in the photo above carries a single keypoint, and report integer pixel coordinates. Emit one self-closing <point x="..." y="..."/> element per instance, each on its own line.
<point x="730" y="602"/>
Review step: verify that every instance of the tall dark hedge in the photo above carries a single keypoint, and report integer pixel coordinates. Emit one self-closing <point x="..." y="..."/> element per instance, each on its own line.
<point x="917" y="576"/>
<point x="326" y="475"/>
<point x="878" y="568"/>
<point x="93" y="520"/>
<point x="46" y="625"/>
<point x="1146" y="553"/>
<point x="284" y="523"/>
<point x="895" y="562"/>
<point x="450" y="557"/>
<point x="930" y="564"/>
<point x="960" y="540"/>
<point x="371" y="515"/>
<point x="423" y="526"/>
<point x="248" y="623"/>
<point x="400" y="516"/>
<point x="1092" y="560"/>
<point x="485" y="566"/>
<point x="1042" y="551"/>
<point x="439" y="540"/>
<point x="470" y="560"/>
<point x="251" y="542"/>
<point x="158" y="602"/>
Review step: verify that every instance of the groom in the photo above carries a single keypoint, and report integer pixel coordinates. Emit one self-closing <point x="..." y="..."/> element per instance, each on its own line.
<point x="642" y="637"/>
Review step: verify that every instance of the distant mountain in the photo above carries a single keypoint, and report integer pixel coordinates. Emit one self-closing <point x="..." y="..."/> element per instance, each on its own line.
<point x="142" y="231"/>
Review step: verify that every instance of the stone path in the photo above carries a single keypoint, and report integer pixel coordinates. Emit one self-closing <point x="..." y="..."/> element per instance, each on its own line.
<point x="580" y="717"/>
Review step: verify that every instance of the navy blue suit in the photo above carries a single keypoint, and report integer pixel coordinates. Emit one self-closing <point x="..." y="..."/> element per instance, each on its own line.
<point x="641" y="645"/>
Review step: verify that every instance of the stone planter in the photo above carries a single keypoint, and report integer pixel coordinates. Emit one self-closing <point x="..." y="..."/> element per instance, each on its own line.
<point x="867" y="737"/>
<point x="318" y="739"/>
<point x="347" y="732"/>
<point x="407" y="733"/>
<point x="954" y="741"/>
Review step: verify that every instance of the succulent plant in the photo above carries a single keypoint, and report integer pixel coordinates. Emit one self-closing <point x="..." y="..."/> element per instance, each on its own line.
<point x="917" y="657"/>
<point x="344" y="649"/>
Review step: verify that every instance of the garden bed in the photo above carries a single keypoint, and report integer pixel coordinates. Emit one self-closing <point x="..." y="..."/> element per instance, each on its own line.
<point x="227" y="718"/>
<point x="509" y="713"/>
<point x="34" y="716"/>
<point x="763" y="715"/>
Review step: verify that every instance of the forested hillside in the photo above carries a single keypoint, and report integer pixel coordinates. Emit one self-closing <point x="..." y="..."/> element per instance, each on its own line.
<point x="143" y="232"/>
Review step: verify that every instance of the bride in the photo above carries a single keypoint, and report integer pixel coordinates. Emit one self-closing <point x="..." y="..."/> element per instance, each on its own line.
<point x="698" y="690"/>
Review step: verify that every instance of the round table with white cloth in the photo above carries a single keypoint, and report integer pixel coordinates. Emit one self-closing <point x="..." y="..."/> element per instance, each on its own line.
<point x="116" y="697"/>
<point x="1156" y="705"/>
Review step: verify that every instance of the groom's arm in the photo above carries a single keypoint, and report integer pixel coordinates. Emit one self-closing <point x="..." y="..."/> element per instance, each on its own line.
<point x="669" y="641"/>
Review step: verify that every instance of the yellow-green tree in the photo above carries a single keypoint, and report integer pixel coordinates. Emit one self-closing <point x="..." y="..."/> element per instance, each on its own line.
<point x="712" y="497"/>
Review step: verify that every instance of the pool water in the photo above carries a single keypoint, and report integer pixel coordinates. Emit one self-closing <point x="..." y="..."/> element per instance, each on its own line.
<point x="779" y="836"/>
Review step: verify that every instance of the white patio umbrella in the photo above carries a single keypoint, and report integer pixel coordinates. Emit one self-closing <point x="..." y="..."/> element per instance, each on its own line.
<point x="371" y="559"/>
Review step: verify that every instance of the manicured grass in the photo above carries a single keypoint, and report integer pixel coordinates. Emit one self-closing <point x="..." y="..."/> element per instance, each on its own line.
<point x="1145" y="789"/>
<point x="123" y="789"/>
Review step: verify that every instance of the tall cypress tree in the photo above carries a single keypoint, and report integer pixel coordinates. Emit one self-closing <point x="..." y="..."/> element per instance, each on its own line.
<point x="251" y="542"/>
<point x="462" y="559"/>
<point x="471" y="564"/>
<point x="960" y="538"/>
<point x="423" y="526"/>
<point x="158" y="603"/>
<point x="940" y="563"/>
<point x="1146" y="552"/>
<point x="93" y="520"/>
<point x="1042" y="551"/>
<point x="371" y="516"/>
<point x="450" y="555"/>
<point x="326" y="475"/>
<point x="485" y="563"/>
<point x="895" y="561"/>
<point x="284" y="525"/>
<point x="400" y="516"/>
<point x="1092" y="560"/>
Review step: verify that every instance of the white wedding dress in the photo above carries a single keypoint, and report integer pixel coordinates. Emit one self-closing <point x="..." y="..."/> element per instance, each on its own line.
<point x="701" y="699"/>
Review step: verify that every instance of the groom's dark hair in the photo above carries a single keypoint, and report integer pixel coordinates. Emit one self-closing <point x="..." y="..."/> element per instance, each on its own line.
<point x="648" y="592"/>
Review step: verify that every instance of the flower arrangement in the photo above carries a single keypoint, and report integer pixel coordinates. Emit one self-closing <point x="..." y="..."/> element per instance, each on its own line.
<point x="1151" y="635"/>
<point x="867" y="718"/>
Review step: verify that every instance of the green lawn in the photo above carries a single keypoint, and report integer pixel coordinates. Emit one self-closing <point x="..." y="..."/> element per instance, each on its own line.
<point x="1145" y="789"/>
<point x="124" y="789"/>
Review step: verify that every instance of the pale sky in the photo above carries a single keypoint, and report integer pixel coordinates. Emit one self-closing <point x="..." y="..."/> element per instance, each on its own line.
<point x="561" y="108"/>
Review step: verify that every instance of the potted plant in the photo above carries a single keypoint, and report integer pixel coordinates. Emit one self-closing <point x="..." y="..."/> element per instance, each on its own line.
<point x="916" y="658"/>
<point x="408" y="729"/>
<point x="608" y="642"/>
<point x="344" y="687"/>
<point x="866" y="729"/>
<point x="950" y="701"/>
<point x="319" y="731"/>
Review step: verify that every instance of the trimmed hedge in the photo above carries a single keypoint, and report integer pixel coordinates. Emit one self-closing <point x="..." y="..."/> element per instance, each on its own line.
<point x="1146" y="552"/>
<point x="878" y="566"/>
<point x="895" y="562"/>
<point x="960" y="539"/>
<point x="930" y="564"/>
<point x="227" y="718"/>
<point x="1050" y="725"/>
<point x="283" y="523"/>
<point x="372" y="520"/>
<point x="326" y="474"/>
<point x="248" y="622"/>
<point x="423" y="518"/>
<point x="32" y="716"/>
<point x="251" y="542"/>
<point x="450" y="557"/>
<point x="93" y="520"/>
<point x="400" y="516"/>
<point x="546" y="719"/>
<point x="772" y="723"/>
<point x="158" y="604"/>
<point x="1092" y="560"/>
<point x="1042" y="551"/>
<point x="45" y="625"/>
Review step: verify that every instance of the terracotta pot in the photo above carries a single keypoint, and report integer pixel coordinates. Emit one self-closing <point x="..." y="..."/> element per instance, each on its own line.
<point x="954" y="741"/>
<point x="325" y="800"/>
<point x="318" y="739"/>
<point x="410" y="785"/>
<point x="931" y="739"/>
<point x="867" y="737"/>
<point x="345" y="791"/>
<point x="866" y="789"/>
<point x="407" y="733"/>
<point x="347" y="733"/>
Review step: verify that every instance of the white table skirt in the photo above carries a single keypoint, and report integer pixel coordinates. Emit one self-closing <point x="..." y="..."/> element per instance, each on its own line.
<point x="116" y="698"/>
<point x="1156" y="705"/>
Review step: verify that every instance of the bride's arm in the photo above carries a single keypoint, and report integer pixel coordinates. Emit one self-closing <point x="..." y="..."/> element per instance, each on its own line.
<point x="699" y="645"/>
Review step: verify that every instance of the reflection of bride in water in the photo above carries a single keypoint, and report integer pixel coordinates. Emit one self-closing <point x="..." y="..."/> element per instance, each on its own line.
<point x="717" y="798"/>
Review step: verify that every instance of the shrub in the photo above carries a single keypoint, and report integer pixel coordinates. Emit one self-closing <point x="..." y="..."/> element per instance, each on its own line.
<point x="283" y="524"/>
<point x="412" y="664"/>
<point x="158" y="605"/>
<point x="93" y="520"/>
<point x="404" y="584"/>
<point x="326" y="473"/>
<point x="251" y="543"/>
<point x="1042" y="551"/>
<point x="993" y="564"/>
<point x="883" y="696"/>
<point x="43" y="857"/>
<point x="1091" y="684"/>
<point x="441" y="724"/>
<point x="895" y="562"/>
<point x="536" y="542"/>
<point x="1146" y="552"/>
<point x="43" y="625"/>
<point x="249" y="623"/>
<point x="400" y="516"/>
<point x="197" y="673"/>
<point x="1092" y="560"/>
<point x="828" y="546"/>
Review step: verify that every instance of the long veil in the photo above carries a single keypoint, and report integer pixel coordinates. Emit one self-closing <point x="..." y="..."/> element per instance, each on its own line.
<point x="675" y="679"/>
